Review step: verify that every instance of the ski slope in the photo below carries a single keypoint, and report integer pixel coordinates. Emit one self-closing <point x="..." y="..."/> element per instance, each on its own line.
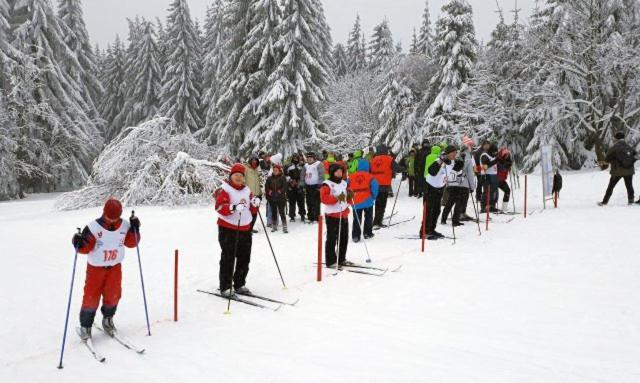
<point x="553" y="298"/>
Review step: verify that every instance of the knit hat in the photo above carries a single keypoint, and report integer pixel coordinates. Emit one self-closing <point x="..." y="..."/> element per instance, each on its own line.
<point x="112" y="209"/>
<point x="619" y="136"/>
<point x="237" y="168"/>
<point x="278" y="166"/>
<point x="450" y="149"/>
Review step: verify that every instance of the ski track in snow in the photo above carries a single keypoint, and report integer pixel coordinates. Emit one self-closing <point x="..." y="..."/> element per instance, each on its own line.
<point x="553" y="298"/>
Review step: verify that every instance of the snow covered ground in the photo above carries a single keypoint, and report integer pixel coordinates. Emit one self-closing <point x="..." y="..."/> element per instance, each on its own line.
<point x="553" y="298"/>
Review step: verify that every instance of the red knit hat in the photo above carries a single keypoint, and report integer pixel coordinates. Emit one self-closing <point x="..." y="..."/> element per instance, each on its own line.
<point x="237" y="168"/>
<point x="112" y="209"/>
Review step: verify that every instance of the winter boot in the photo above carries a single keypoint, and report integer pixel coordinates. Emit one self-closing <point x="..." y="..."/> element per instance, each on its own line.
<point x="494" y="209"/>
<point x="602" y="204"/>
<point x="284" y="229"/>
<point x="243" y="291"/>
<point x="638" y="202"/>
<point x="347" y="263"/>
<point x="108" y="326"/>
<point x="292" y="219"/>
<point x="369" y="236"/>
<point x="274" y="228"/>
<point x="226" y="293"/>
<point x="85" y="333"/>
<point x="355" y="239"/>
<point x="332" y="266"/>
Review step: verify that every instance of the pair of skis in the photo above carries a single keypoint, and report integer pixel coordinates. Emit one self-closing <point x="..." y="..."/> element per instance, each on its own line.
<point x="243" y="298"/>
<point x="395" y="223"/>
<point x="121" y="340"/>
<point x="362" y="269"/>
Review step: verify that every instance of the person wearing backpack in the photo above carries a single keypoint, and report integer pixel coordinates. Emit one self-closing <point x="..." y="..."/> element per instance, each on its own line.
<point x="621" y="157"/>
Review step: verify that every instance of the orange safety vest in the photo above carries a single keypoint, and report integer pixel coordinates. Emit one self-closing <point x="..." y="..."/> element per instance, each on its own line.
<point x="382" y="169"/>
<point x="360" y="184"/>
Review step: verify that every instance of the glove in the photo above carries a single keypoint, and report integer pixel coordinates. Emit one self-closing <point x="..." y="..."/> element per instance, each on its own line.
<point x="459" y="164"/>
<point x="256" y="201"/>
<point x="342" y="197"/>
<point x="446" y="161"/>
<point x="350" y="195"/>
<point x="78" y="241"/>
<point x="135" y="223"/>
<point x="239" y="207"/>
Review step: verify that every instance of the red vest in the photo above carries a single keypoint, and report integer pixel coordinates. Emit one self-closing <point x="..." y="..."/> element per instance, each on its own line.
<point x="360" y="184"/>
<point x="382" y="169"/>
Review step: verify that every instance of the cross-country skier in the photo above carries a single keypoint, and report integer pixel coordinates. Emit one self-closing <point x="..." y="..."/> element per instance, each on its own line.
<point x="295" y="195"/>
<point x="365" y="190"/>
<point x="313" y="175"/>
<point x="460" y="182"/>
<point x="504" y="168"/>
<point x="335" y="195"/>
<point x="383" y="168"/>
<point x="276" y="188"/>
<point x="489" y="163"/>
<point x="235" y="205"/>
<point x="436" y="179"/>
<point x="104" y="241"/>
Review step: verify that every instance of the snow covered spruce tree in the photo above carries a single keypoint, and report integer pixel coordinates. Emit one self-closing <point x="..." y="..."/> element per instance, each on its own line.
<point x="340" y="61"/>
<point x="289" y="107"/>
<point x="356" y="48"/>
<point x="180" y="95"/>
<point x="214" y="60"/>
<point x="69" y="137"/>
<point x="381" y="49"/>
<point x="143" y="90"/>
<point x="424" y="42"/>
<point x="115" y="95"/>
<point x="77" y="38"/>
<point x="455" y="51"/>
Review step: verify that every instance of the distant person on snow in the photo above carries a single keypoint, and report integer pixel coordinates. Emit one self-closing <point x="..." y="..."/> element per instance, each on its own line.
<point x="276" y="189"/>
<point x="622" y="158"/>
<point x="365" y="190"/>
<point x="335" y="195"/>
<point x="436" y="180"/>
<point x="460" y="182"/>
<point x="505" y="162"/>
<point x="313" y="175"/>
<point x="104" y="241"/>
<point x="383" y="168"/>
<point x="235" y="205"/>
<point x="295" y="194"/>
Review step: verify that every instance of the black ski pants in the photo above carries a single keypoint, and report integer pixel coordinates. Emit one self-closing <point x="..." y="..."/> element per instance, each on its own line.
<point x="613" y="181"/>
<point x="228" y="239"/>
<point x="296" y="199"/>
<point x="330" y="245"/>
<point x="313" y="202"/>
<point x="458" y="197"/>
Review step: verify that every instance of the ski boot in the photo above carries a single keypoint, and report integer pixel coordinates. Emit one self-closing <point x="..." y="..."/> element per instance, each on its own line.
<point x="369" y="236"/>
<point x="284" y="229"/>
<point x="226" y="293"/>
<point x="243" y="290"/>
<point x="85" y="333"/>
<point x="108" y="326"/>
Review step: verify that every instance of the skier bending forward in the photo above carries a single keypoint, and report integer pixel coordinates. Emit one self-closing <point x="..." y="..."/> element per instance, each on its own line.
<point x="104" y="241"/>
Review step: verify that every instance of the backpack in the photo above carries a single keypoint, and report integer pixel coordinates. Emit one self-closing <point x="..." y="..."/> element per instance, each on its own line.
<point x="626" y="157"/>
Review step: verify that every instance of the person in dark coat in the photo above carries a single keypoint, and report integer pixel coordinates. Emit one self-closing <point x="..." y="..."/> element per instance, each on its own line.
<point x="616" y="158"/>
<point x="421" y="158"/>
<point x="275" y="188"/>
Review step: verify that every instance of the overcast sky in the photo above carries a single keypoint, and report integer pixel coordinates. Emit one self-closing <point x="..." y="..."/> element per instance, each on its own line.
<point x="106" y="18"/>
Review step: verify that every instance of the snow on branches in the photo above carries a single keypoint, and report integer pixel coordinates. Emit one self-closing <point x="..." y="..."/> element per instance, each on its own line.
<point x="157" y="163"/>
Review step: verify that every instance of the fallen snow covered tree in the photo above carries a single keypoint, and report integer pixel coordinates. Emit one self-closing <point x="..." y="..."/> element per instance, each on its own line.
<point x="157" y="163"/>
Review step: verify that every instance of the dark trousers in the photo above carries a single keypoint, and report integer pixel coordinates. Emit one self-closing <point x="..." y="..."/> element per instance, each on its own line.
<point x="480" y="188"/>
<point x="330" y="246"/>
<point x="504" y="186"/>
<point x="433" y="198"/>
<point x="277" y="209"/>
<point x="412" y="185"/>
<point x="458" y="197"/>
<point x="296" y="198"/>
<point x="420" y="181"/>
<point x="381" y="206"/>
<point x="313" y="202"/>
<point x="227" y="239"/>
<point x="367" y="225"/>
<point x="490" y="185"/>
<point x="613" y="181"/>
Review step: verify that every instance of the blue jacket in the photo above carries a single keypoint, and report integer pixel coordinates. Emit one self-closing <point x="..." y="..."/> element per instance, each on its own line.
<point x="363" y="166"/>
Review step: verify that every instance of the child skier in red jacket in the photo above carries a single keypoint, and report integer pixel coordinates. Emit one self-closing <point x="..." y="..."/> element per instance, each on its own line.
<point x="104" y="241"/>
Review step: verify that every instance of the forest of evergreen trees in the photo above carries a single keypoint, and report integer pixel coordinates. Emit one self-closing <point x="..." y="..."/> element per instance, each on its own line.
<point x="265" y="75"/>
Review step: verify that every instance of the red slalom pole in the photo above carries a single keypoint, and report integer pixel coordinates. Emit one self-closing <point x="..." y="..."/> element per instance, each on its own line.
<point x="424" y="224"/>
<point x="488" y="203"/>
<point x="555" y="200"/>
<point x="526" y="186"/>
<point x="319" y="276"/>
<point x="175" y="287"/>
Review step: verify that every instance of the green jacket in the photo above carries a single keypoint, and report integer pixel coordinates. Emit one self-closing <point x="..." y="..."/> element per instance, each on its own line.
<point x="411" y="166"/>
<point x="353" y="164"/>
<point x="431" y="158"/>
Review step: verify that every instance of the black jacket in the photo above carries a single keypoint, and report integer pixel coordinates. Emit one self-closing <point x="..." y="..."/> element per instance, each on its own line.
<point x="616" y="151"/>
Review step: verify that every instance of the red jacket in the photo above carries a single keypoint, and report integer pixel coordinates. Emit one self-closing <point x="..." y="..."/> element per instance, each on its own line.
<point x="223" y="207"/>
<point x="328" y="199"/>
<point x="130" y="239"/>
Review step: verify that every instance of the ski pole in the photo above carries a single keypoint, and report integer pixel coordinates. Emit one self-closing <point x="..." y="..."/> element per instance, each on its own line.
<point x="358" y="222"/>
<point x="272" y="252"/>
<point x="395" y="200"/>
<point x="144" y="295"/>
<point x="235" y="258"/>
<point x="475" y="208"/>
<point x="66" y="321"/>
